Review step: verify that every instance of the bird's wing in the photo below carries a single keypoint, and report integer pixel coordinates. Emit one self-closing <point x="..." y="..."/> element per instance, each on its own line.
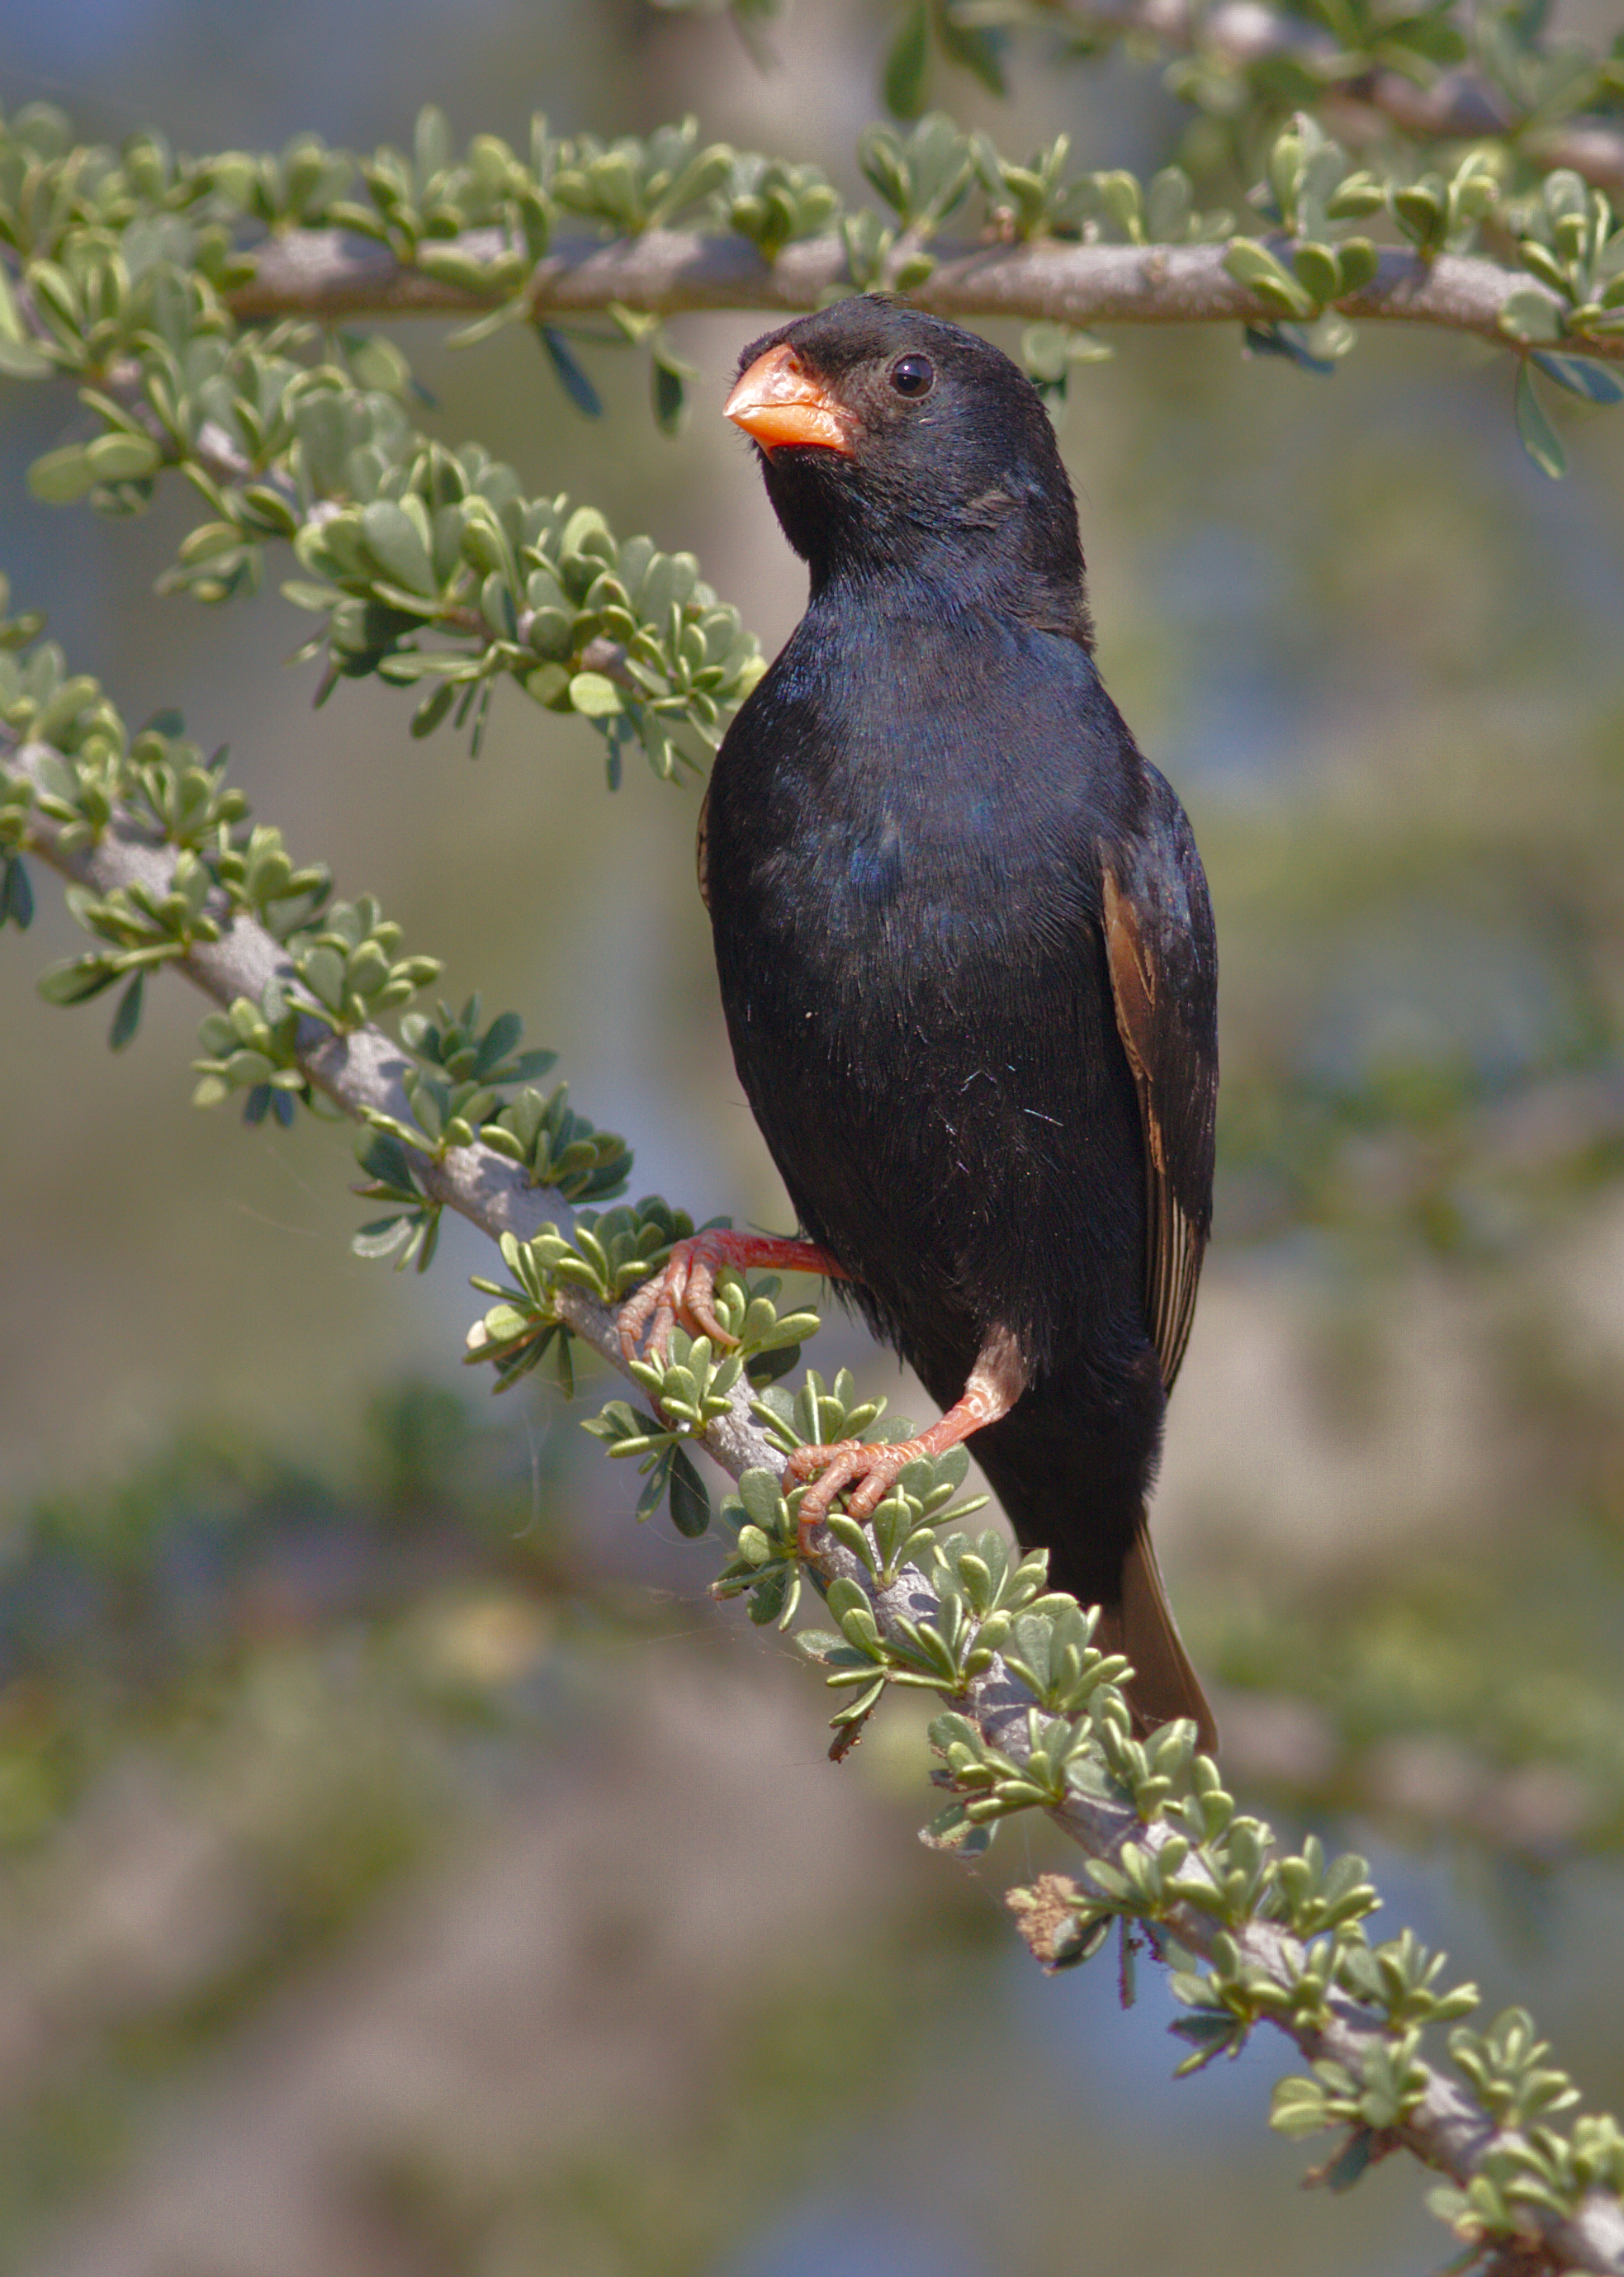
<point x="1163" y="957"/>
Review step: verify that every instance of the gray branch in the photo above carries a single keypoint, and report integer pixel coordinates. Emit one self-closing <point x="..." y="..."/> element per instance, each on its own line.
<point x="321" y="273"/>
<point x="362" y="1071"/>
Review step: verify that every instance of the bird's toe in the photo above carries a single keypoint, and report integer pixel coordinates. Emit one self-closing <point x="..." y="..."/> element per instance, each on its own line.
<point x="682" y="1294"/>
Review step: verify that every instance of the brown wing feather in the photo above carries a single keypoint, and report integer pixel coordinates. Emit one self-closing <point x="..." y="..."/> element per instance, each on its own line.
<point x="1176" y="1239"/>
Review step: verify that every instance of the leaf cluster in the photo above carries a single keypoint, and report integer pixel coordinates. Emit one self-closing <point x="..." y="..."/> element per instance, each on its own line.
<point x="427" y="564"/>
<point x="341" y="968"/>
<point x="692" y="1385"/>
<point x="607" y="1254"/>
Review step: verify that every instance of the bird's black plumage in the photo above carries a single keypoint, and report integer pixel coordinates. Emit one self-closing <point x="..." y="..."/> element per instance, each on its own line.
<point x="964" y="944"/>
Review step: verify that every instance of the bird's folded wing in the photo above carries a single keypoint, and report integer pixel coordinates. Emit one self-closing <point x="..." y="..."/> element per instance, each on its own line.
<point x="1163" y="959"/>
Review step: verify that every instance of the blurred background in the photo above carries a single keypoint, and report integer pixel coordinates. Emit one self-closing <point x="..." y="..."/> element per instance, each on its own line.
<point x="408" y="1869"/>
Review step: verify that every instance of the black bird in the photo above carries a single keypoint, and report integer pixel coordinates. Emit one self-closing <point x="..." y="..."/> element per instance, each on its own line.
<point x="966" y="956"/>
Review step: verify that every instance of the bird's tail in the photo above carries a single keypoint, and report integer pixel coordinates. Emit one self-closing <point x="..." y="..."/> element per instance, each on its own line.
<point x="1164" y="1685"/>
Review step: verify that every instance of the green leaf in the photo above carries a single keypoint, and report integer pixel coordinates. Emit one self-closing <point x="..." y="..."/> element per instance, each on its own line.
<point x="1430" y="36"/>
<point x="1252" y="265"/>
<point x="1540" y="439"/>
<point x="77" y="980"/>
<point x="767" y="1598"/>
<point x="20" y="359"/>
<point x="123" y="457"/>
<point x="902" y="82"/>
<point x="126" y="1019"/>
<point x="16" y="895"/>
<point x="62" y="476"/>
<point x="1318" y="271"/>
<point x="433" y="710"/>
<point x="952" y="1829"/>
<point x="1287" y="340"/>
<point x="594" y="696"/>
<point x="12" y="331"/>
<point x="1583" y="375"/>
<point x="1528" y="313"/>
<point x="1418" y="209"/>
<point x="690" y="1505"/>
<point x="1297" y="2106"/>
<point x="395" y="543"/>
<point x="571" y="377"/>
<point x="322" y="972"/>
<point x="378" y="364"/>
<point x="1351" y="2162"/>
<point x="383" y="1236"/>
<point x="509" y="312"/>
<point x="975" y="47"/>
<point x="384" y="1159"/>
<point x="669" y="398"/>
<point x="1357" y="263"/>
<point x="1358" y="197"/>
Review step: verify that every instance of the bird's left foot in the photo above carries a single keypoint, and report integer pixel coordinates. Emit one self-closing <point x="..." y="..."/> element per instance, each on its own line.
<point x="995" y="1382"/>
<point x="878" y="1463"/>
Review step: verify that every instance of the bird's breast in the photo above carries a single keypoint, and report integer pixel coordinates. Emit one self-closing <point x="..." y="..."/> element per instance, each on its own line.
<point x="905" y="900"/>
<point x="871" y="852"/>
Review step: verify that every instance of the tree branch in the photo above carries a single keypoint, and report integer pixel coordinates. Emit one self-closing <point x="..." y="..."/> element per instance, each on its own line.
<point x="361" y="1071"/>
<point x="321" y="273"/>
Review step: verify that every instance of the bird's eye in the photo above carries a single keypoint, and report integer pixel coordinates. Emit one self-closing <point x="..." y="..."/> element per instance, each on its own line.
<point x="913" y="376"/>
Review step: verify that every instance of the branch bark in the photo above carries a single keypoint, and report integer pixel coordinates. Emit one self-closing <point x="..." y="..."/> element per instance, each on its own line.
<point x="322" y="274"/>
<point x="363" y="1070"/>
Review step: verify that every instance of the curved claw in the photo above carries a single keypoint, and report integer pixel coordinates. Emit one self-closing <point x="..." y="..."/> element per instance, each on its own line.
<point x="878" y="1463"/>
<point x="681" y="1294"/>
<point x="683" y="1291"/>
<point x="993" y="1385"/>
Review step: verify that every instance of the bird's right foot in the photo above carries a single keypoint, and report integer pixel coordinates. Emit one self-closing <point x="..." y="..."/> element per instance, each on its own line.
<point x="682" y="1294"/>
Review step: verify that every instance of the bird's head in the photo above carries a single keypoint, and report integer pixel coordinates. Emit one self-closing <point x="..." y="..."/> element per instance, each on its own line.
<point x="895" y="444"/>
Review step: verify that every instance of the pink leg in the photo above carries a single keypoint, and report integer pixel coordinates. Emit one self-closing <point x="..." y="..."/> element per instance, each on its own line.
<point x="993" y="1385"/>
<point x="683" y="1293"/>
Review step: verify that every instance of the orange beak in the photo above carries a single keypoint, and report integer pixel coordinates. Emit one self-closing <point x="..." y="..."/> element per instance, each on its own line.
<point x="778" y="402"/>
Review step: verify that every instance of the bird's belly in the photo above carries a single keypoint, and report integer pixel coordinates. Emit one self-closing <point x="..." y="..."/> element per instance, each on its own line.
<point x="936" y="1069"/>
